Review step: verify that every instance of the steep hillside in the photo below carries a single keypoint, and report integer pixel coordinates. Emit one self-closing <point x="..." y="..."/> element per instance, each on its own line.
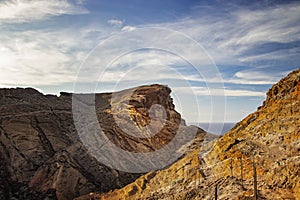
<point x="265" y="143"/>
<point x="42" y="156"/>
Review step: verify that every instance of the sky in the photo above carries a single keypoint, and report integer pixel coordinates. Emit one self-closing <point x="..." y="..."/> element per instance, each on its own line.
<point x="219" y="57"/>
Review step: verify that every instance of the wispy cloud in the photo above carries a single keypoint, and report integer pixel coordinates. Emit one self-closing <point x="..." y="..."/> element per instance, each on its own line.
<point x="16" y="11"/>
<point x="128" y="28"/>
<point x="42" y="60"/>
<point x="262" y="42"/>
<point x="115" y="22"/>
<point x="257" y="76"/>
<point x="229" y="36"/>
<point x="204" y="91"/>
<point x="232" y="39"/>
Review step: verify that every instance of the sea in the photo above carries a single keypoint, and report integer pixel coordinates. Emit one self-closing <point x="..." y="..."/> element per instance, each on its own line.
<point x="215" y="128"/>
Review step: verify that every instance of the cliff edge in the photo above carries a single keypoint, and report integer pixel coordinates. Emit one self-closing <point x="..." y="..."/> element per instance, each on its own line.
<point x="259" y="156"/>
<point x="42" y="156"/>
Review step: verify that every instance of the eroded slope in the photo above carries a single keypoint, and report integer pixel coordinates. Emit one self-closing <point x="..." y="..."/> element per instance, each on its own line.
<point x="42" y="155"/>
<point x="268" y="139"/>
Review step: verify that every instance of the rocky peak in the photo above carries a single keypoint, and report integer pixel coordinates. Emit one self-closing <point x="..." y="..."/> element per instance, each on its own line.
<point x="265" y="145"/>
<point x="286" y="88"/>
<point x="41" y="153"/>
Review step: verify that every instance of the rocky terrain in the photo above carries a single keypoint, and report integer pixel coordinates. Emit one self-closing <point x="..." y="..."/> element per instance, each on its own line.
<point x="42" y="156"/>
<point x="260" y="157"/>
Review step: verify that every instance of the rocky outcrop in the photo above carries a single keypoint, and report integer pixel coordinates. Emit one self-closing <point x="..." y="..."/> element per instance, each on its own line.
<point x="265" y="143"/>
<point x="269" y="137"/>
<point x="42" y="156"/>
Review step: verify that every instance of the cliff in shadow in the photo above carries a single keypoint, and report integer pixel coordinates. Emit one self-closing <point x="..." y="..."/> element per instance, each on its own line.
<point x="42" y="156"/>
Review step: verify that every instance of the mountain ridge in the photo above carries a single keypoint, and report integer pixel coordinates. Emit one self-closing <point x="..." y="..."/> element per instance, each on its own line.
<point x="264" y="145"/>
<point x="42" y="156"/>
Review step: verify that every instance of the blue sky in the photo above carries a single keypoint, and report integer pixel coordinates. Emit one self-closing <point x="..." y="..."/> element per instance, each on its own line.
<point x="219" y="57"/>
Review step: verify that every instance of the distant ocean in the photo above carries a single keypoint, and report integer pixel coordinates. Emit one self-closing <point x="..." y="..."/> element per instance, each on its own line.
<point x="216" y="128"/>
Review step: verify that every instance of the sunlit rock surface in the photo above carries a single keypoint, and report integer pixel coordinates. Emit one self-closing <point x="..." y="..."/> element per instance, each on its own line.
<point x="268" y="138"/>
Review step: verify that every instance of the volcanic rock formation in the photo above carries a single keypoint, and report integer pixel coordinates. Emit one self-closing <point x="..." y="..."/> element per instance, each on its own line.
<point x="42" y="156"/>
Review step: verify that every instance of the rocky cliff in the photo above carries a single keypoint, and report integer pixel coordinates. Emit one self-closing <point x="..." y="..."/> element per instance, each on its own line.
<point x="42" y="156"/>
<point x="263" y="150"/>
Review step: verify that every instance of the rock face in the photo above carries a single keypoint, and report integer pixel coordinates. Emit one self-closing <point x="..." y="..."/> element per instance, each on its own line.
<point x="42" y="156"/>
<point x="265" y="143"/>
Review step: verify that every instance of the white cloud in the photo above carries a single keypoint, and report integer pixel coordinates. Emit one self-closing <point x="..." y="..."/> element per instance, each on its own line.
<point x="241" y="93"/>
<point x="259" y="76"/>
<point x="227" y="38"/>
<point x="80" y="2"/>
<point x="272" y="24"/>
<point x="50" y="54"/>
<point x="38" y="60"/>
<point x="250" y="82"/>
<point x="3" y="86"/>
<point x="115" y="22"/>
<point x="150" y="54"/>
<point x="281" y="54"/>
<point x="204" y="91"/>
<point x="128" y="28"/>
<point x="26" y="10"/>
<point x="145" y="66"/>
